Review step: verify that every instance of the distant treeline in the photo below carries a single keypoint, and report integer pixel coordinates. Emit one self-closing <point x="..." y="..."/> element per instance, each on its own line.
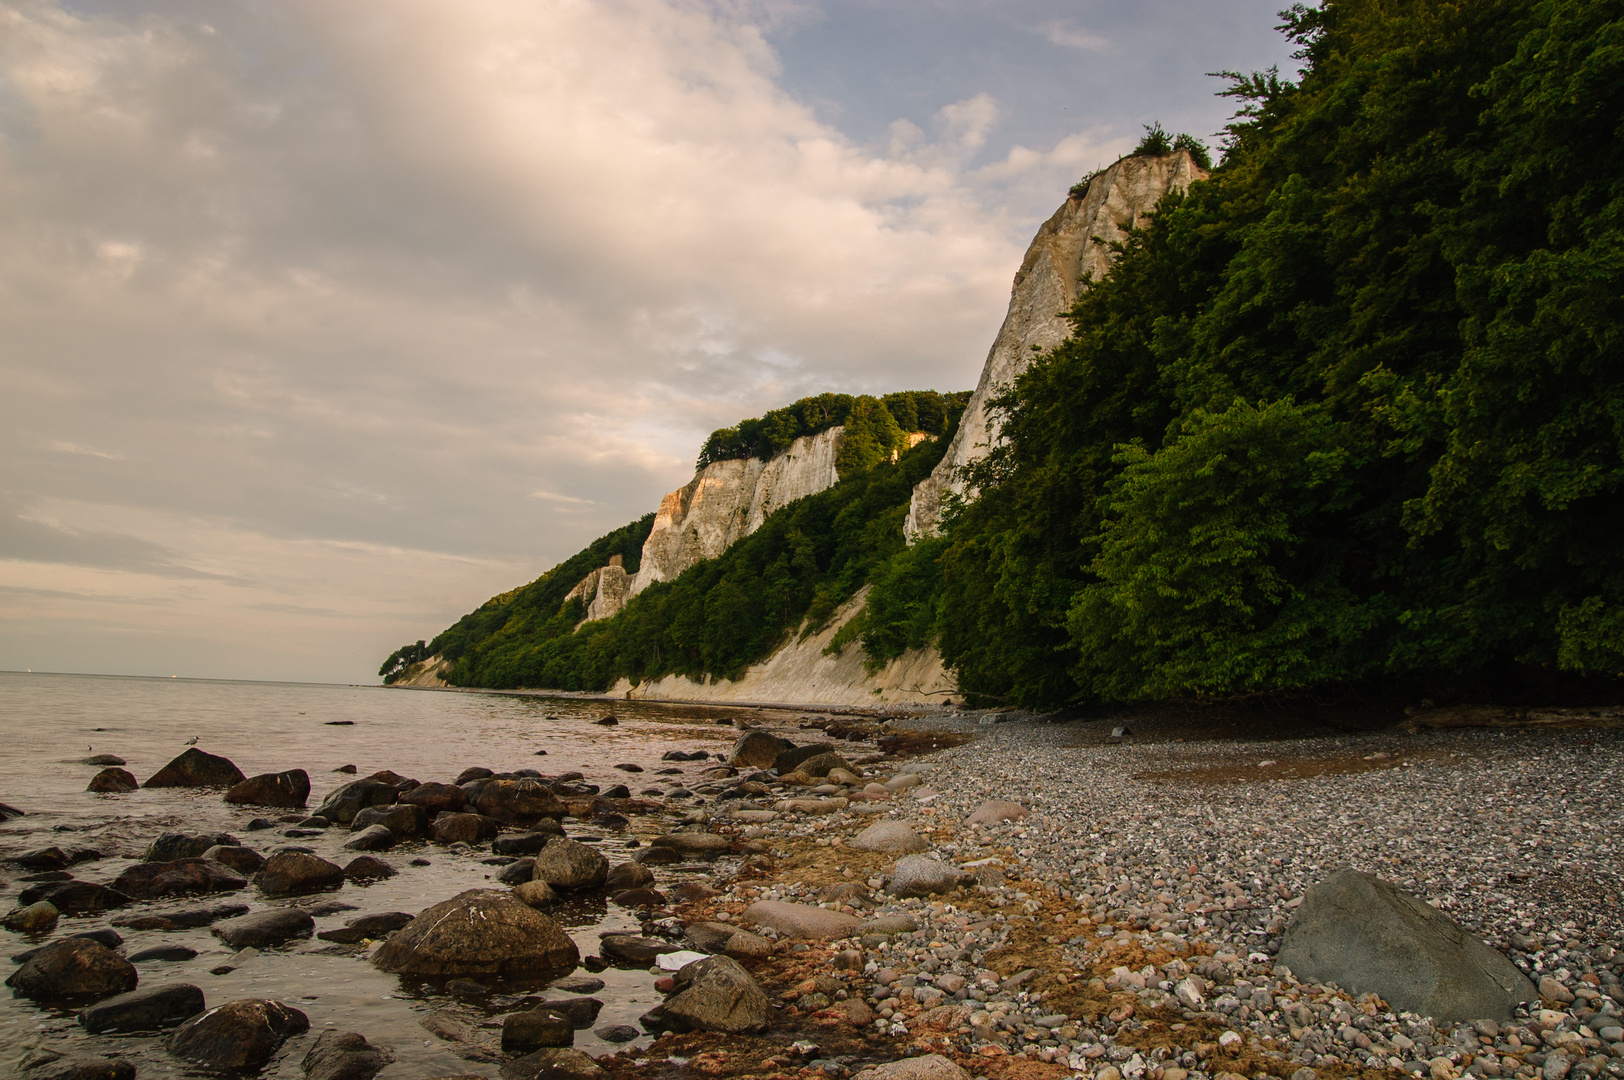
<point x="874" y="426"/>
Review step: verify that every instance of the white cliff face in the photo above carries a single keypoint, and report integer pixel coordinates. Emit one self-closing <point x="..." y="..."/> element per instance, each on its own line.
<point x="604" y="591"/>
<point x="1071" y="250"/>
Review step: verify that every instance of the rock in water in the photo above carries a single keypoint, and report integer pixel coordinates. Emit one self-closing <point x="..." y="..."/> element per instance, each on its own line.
<point x="519" y="800"/>
<point x="464" y="828"/>
<point x="552" y="1064"/>
<point x="368" y="868"/>
<point x="1369" y="936"/>
<point x="113" y="781"/>
<point x="173" y="845"/>
<point x="537" y="894"/>
<point x="921" y="875"/>
<point x="239" y="1035"/>
<point x="801" y="920"/>
<point x="84" y="1068"/>
<point x="75" y="897"/>
<point x="402" y="819"/>
<point x="633" y="949"/>
<point x="372" y="838"/>
<point x="183" y="877"/>
<point x="289" y="789"/>
<point x="290" y="873"/>
<point x="532" y="1030"/>
<point x="889" y="836"/>
<point x="194" y="768"/>
<point x="480" y="932"/>
<point x="569" y="864"/>
<point x="103" y="759"/>
<point x="241" y="859"/>
<point x="757" y="750"/>
<point x="342" y="804"/>
<point x="72" y="967"/>
<point x="263" y="929"/>
<point x="37" y="918"/>
<point x="628" y="875"/>
<point x="525" y="843"/>
<point x="375" y="927"/>
<point x="436" y="798"/>
<point x="714" y="994"/>
<point x="344" y="1055"/>
<point x="146" y="1009"/>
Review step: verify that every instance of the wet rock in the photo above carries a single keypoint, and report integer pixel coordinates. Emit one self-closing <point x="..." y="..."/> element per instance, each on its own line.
<point x="632" y="949"/>
<point x="292" y="873"/>
<point x="351" y="769"/>
<point x="289" y="789"/>
<point x="629" y="767"/>
<point x="926" y="1067"/>
<point x="628" y="875"/>
<point x="995" y="811"/>
<point x="9" y="812"/>
<point x="173" y="845"/>
<point x="519" y="800"/>
<point x="714" y="994"/>
<point x="693" y="845"/>
<point x="1369" y="936"/>
<point x="241" y="859"/>
<point x="561" y="1063"/>
<point x="182" y="920"/>
<point x="70" y="968"/>
<point x="372" y="838"/>
<point x="819" y="765"/>
<point x="47" y="858"/>
<point x="400" y="784"/>
<point x="638" y="898"/>
<point x="239" y="1035"/>
<point x="344" y="802"/>
<point x="479" y="932"/>
<point x="922" y="875"/>
<point x="183" y="877"/>
<point x="568" y="864"/>
<point x="83" y="1068"/>
<point x="801" y="920"/>
<point x="264" y="929"/>
<point x="537" y="894"/>
<point x="195" y="768"/>
<point x="172" y="953"/>
<point x="525" y="843"/>
<point x="75" y="897"/>
<point x="517" y="872"/>
<point x="402" y="819"/>
<point x="367" y="868"/>
<point x="103" y="759"/>
<point x="581" y="1012"/>
<point x="892" y="837"/>
<point x="464" y="828"/>
<point x="541" y="1026"/>
<point x="436" y="798"/>
<point x="37" y="918"/>
<point x="757" y="750"/>
<point x="367" y="927"/>
<point x="146" y="1009"/>
<point x="474" y="773"/>
<point x="113" y="781"/>
<point x="616" y="1033"/>
<point x="344" y="1055"/>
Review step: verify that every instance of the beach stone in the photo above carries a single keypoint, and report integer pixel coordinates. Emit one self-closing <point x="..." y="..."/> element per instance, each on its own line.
<point x="757" y="750"/>
<point x="519" y="800"/>
<point x="287" y="789"/>
<point x="638" y="898"/>
<point x="400" y="784"/>
<point x="103" y="759"/>
<point x="372" y="838"/>
<point x="292" y="873"/>
<point x="75" y="897"/>
<point x="1369" y="936"/>
<point x="183" y="877"/>
<point x="344" y="1055"/>
<point x="84" y="1068"/>
<point x="709" y="936"/>
<point x="616" y="1033"/>
<point x="888" y="924"/>
<point x="790" y="757"/>
<point x="581" y="1012"/>
<point x="517" y="872"/>
<point x="715" y="994"/>
<point x="238" y="1035"/>
<point x="402" y="819"/>
<point x="368" y="868"/>
<point x="37" y="918"/>
<point x="241" y="859"/>
<point x="888" y="836"/>
<point x="367" y="927"/>
<point x="821" y="765"/>
<point x="146" y="1009"/>
<point x="537" y="894"/>
<point x="173" y="953"/>
<point x="47" y="858"/>
<point x="846" y="892"/>
<point x="525" y="843"/>
<point x="475" y="772"/>
<point x="1552" y="990"/>
<point x="995" y="811"/>
<point x="744" y="945"/>
<point x="694" y="845"/>
<point x="536" y="1028"/>
<point x="436" y="798"/>
<point x="344" y="802"/>
<point x="628" y="875"/>
<point x="577" y="984"/>
<point x="923" y="875"/>
<point x="903" y="781"/>
<point x="568" y="864"/>
<point x="560" y="1063"/>
<point x="479" y="932"/>
<point x="925" y="1067"/>
<point x="263" y="929"/>
<point x="633" y="949"/>
<point x="463" y="828"/>
<point x="71" y="967"/>
<point x="194" y="768"/>
<point x="173" y="845"/>
<point x="801" y="920"/>
<point x="113" y="781"/>
<point x="182" y="920"/>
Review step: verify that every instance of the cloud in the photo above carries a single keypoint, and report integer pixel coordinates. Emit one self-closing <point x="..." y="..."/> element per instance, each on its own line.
<point x="1069" y="36"/>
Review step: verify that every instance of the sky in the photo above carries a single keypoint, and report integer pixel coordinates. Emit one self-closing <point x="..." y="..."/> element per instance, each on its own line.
<point x="321" y="323"/>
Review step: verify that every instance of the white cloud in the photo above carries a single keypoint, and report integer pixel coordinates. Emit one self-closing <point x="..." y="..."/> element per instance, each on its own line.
<point x="1070" y="36"/>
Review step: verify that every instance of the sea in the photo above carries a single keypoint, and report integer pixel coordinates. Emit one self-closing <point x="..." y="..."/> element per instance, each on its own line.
<point x="49" y="723"/>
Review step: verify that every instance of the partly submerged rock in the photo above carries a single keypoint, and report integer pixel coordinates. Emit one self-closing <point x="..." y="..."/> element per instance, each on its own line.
<point x="480" y="932"/>
<point x="37" y="918"/>
<point x="113" y="781"/>
<point x="83" y="1067"/>
<point x="561" y="1063"/>
<point x="287" y="789"/>
<point x="241" y="859"/>
<point x="291" y="873"/>
<point x="70" y="968"/>
<point x="1368" y="936"/>
<point x="194" y="768"/>
<point x="519" y="800"/>
<point x="464" y="828"/>
<point x="239" y="1035"/>
<point x="569" y="864"/>
<point x="757" y="750"/>
<point x="373" y="927"/>
<point x="263" y="929"/>
<point x="75" y="897"/>
<point x="182" y="877"/>
<point x="146" y="1009"/>
<point x="534" y="1029"/>
<point x="694" y="845"/>
<point x="344" y="802"/>
<point x="175" y="845"/>
<point x="344" y="1055"/>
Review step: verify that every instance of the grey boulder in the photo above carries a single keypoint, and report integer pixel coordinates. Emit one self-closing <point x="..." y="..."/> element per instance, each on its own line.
<point x="892" y="837"/>
<point x="713" y="994"/>
<point x="921" y="875"/>
<point x="263" y="929"/>
<point x="569" y="864"/>
<point x="481" y="932"/>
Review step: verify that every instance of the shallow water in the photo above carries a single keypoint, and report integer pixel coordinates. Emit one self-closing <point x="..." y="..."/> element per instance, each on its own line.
<point x="49" y="722"/>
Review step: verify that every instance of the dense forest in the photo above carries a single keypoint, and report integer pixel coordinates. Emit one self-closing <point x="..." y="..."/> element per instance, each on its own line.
<point x="1349" y="414"/>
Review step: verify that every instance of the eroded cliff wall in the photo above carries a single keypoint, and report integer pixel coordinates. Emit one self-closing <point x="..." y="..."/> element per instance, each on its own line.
<point x="1072" y="249"/>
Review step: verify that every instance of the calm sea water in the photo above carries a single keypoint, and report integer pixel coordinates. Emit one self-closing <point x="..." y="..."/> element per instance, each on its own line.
<point x="49" y="722"/>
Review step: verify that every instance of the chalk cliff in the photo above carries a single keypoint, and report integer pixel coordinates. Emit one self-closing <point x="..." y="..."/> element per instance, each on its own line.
<point x="604" y="591"/>
<point x="1071" y="250"/>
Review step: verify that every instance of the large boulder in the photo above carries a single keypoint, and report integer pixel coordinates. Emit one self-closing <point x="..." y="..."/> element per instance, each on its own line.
<point x="890" y="836"/>
<point x="75" y="897"/>
<point x="343" y="803"/>
<point x="292" y="873"/>
<point x="436" y="798"/>
<point x="195" y="768"/>
<point x="801" y="920"/>
<point x="344" y="1055"/>
<point x="263" y="929"/>
<point x="519" y="800"/>
<point x="70" y="968"/>
<point x="694" y="845"/>
<point x="924" y="875"/>
<point x="791" y="758"/>
<point x="464" y="828"/>
<point x="757" y="750"/>
<point x="569" y="864"/>
<point x="1369" y="936"/>
<point x="146" y="1009"/>
<point x="289" y="789"/>
<point x="113" y="781"/>
<point x="713" y="994"/>
<point x="173" y="845"/>
<point x="182" y="877"/>
<point x="402" y="819"/>
<point x="239" y="1035"/>
<point x="480" y="932"/>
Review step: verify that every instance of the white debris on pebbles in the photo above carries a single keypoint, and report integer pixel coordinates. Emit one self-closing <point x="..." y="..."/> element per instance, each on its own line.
<point x="1518" y="836"/>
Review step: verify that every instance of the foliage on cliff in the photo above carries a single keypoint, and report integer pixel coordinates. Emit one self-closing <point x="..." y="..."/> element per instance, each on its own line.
<point x="874" y="426"/>
<point x="1351" y="410"/>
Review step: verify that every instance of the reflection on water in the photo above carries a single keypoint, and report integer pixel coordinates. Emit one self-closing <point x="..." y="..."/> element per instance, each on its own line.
<point x="52" y="721"/>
